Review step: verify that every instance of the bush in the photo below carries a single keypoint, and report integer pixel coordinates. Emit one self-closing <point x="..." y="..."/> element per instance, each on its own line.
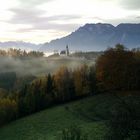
<point x="125" y="122"/>
<point x="8" y="110"/>
<point x="73" y="133"/>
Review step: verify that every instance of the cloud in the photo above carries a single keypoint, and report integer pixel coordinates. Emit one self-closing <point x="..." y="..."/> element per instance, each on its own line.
<point x="38" y="20"/>
<point x="130" y="4"/>
<point x="25" y="16"/>
<point x="128" y="19"/>
<point x="33" y="2"/>
<point x="63" y="17"/>
<point x="55" y="27"/>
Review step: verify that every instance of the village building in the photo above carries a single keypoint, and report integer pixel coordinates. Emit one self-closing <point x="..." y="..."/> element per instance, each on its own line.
<point x="64" y="52"/>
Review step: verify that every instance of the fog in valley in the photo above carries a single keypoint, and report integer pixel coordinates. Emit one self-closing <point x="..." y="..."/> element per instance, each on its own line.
<point x="39" y="66"/>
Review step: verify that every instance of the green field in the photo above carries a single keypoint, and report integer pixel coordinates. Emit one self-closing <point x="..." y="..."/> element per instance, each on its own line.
<point x="91" y="114"/>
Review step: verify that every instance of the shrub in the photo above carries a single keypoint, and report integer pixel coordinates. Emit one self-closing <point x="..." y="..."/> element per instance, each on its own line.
<point x="73" y="133"/>
<point x="125" y="122"/>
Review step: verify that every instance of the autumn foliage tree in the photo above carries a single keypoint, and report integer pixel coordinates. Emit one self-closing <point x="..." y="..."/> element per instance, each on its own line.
<point x="85" y="80"/>
<point x="45" y="91"/>
<point x="116" y="69"/>
<point x="8" y="110"/>
<point x="64" y="84"/>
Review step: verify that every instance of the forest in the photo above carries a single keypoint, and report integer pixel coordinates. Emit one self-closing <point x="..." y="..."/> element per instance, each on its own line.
<point x="20" y="53"/>
<point x="117" y="69"/>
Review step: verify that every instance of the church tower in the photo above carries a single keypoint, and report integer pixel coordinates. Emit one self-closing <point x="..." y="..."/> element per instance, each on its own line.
<point x="67" y="50"/>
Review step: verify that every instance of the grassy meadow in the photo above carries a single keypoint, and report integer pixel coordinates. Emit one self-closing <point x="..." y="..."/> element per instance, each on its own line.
<point x="90" y="114"/>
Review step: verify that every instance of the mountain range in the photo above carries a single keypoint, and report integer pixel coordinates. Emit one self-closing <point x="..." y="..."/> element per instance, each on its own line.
<point x="96" y="37"/>
<point x="19" y="44"/>
<point x="90" y="37"/>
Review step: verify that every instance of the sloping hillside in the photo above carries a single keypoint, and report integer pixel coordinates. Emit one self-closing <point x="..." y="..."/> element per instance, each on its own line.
<point x="91" y="114"/>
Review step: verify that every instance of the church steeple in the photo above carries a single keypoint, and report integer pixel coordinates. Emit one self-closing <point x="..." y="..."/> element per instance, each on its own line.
<point x="67" y="50"/>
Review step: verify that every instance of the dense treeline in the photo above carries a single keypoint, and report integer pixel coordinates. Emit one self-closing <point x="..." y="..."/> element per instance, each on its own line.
<point x="7" y="80"/>
<point x="19" y="53"/>
<point x="64" y="85"/>
<point x="11" y="81"/>
<point x="119" y="69"/>
<point x="87" y="55"/>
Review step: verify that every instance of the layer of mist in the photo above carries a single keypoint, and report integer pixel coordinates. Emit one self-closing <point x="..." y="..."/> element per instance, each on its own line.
<point x="39" y="66"/>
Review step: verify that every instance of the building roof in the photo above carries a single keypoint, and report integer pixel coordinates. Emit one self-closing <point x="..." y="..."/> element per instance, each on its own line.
<point x="63" y="52"/>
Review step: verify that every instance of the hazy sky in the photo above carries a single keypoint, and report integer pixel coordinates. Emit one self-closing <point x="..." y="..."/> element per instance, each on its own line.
<point x="42" y="20"/>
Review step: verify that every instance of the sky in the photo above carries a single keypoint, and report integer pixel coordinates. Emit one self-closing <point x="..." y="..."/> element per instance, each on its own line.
<point x="40" y="21"/>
